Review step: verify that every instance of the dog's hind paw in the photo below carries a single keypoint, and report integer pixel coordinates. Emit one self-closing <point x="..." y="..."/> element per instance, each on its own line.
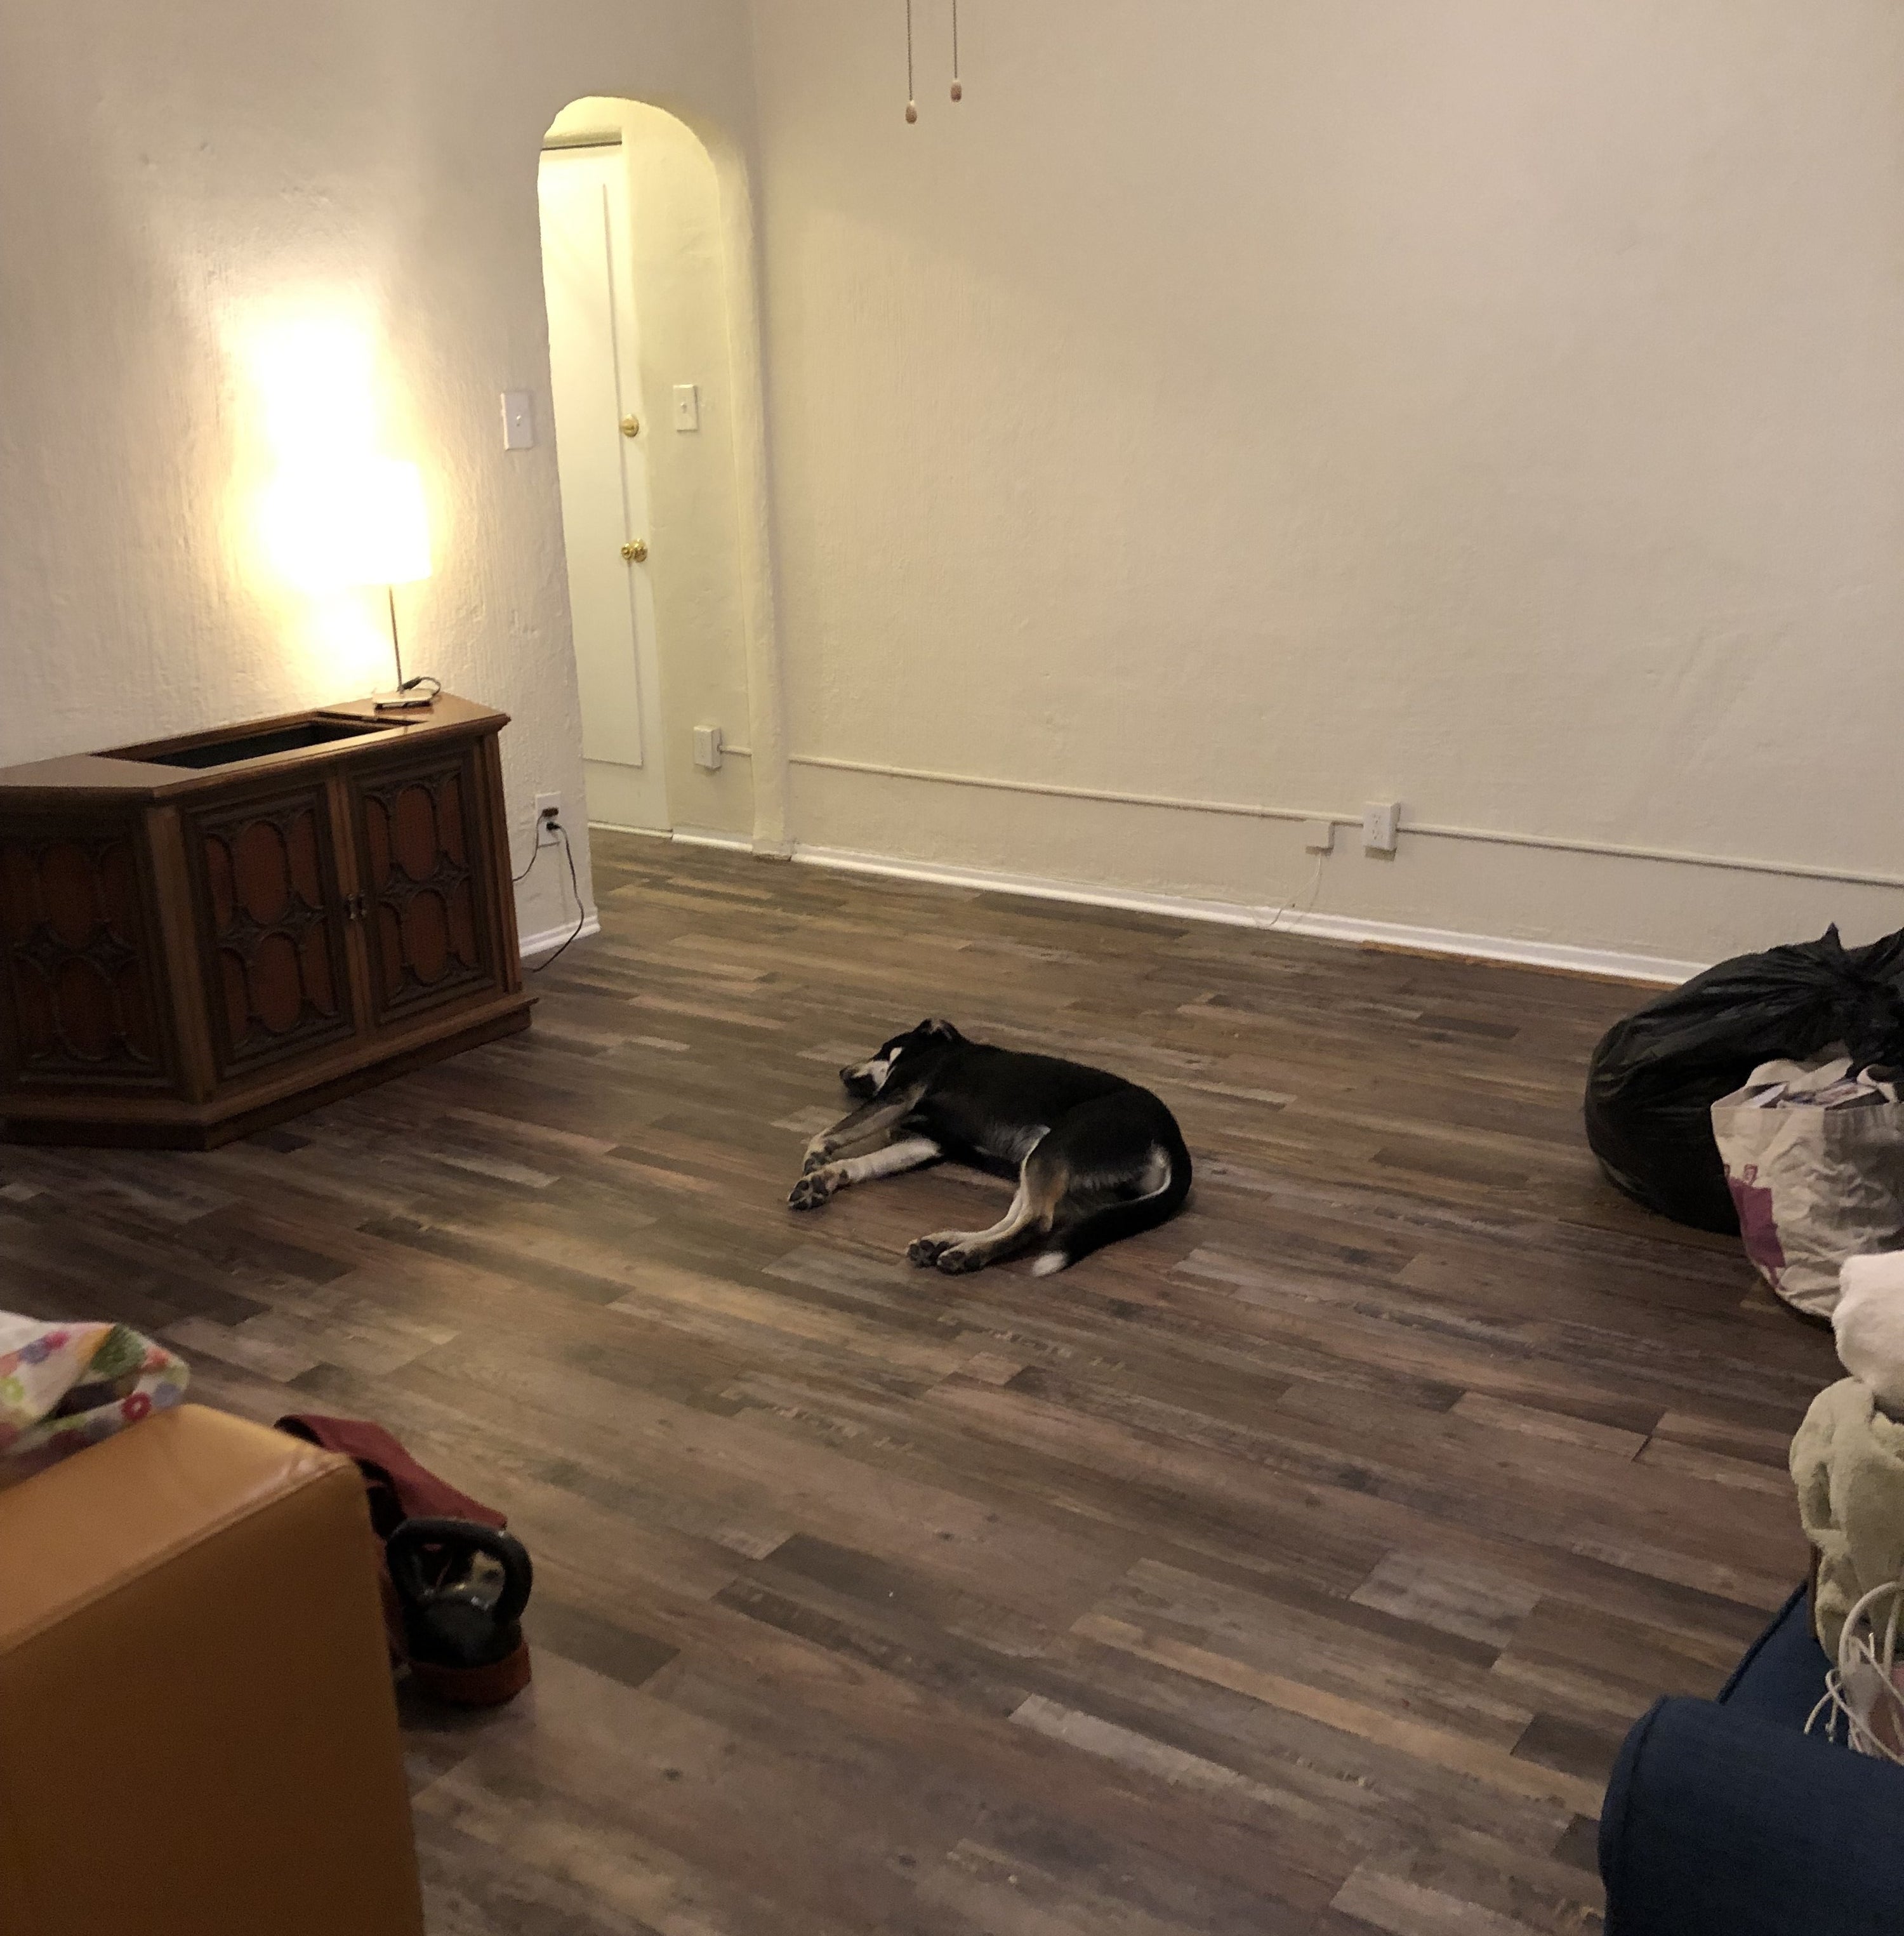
<point x="812" y="1190"/>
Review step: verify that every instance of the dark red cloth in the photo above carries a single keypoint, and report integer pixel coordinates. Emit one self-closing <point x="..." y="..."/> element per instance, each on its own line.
<point x="399" y="1488"/>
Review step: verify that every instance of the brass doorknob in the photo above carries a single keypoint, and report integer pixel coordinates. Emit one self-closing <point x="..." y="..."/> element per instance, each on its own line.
<point x="635" y="551"/>
<point x="631" y="426"/>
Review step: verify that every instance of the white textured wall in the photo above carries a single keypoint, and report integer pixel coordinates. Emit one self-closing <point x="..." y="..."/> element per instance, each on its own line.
<point x="170" y="175"/>
<point x="1491" y="405"/>
<point x="1498" y="407"/>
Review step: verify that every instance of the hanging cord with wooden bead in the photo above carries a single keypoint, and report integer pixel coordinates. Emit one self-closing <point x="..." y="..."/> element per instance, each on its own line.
<point x="958" y="86"/>
<point x="911" y="104"/>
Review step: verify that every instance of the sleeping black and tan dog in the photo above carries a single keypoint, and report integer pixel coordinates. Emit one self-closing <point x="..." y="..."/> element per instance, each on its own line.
<point x="1096" y="1157"/>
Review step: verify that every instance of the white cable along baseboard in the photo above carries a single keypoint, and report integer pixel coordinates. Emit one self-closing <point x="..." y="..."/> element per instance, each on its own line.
<point x="688" y="836"/>
<point x="706" y="837"/>
<point x="1246" y="810"/>
<point x="1650" y="969"/>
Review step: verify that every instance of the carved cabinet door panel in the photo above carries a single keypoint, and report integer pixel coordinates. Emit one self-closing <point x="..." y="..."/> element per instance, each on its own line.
<point x="428" y="926"/>
<point x="82" y="995"/>
<point x="273" y="918"/>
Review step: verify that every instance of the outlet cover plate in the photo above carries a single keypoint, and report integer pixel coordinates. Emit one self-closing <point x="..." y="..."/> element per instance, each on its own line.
<point x="1381" y="822"/>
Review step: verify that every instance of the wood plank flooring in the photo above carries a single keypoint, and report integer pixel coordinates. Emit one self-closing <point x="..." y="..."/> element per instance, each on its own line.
<point x="1296" y="1567"/>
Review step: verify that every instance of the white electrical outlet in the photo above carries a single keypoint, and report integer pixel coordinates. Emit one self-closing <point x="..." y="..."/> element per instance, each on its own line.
<point x="1381" y="822"/>
<point x="708" y="748"/>
<point x="1319" y="836"/>
<point x="548" y="812"/>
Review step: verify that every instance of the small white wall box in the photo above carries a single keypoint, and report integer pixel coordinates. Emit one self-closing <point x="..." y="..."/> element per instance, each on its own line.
<point x="707" y="748"/>
<point x="1319" y="836"/>
<point x="519" y="420"/>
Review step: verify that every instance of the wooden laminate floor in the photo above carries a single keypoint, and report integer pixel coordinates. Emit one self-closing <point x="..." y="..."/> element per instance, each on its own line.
<point x="1296" y="1567"/>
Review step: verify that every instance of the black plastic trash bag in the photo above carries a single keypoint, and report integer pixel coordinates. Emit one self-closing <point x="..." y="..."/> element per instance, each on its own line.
<point x="1655" y="1076"/>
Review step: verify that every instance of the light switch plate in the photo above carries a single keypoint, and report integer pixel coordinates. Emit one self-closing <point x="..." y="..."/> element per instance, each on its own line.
<point x="519" y="420"/>
<point x="687" y="406"/>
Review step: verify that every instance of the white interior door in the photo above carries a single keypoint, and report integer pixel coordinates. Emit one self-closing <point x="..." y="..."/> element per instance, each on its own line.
<point x="595" y="369"/>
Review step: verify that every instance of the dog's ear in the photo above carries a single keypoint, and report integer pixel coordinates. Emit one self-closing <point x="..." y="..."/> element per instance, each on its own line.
<point x="939" y="1030"/>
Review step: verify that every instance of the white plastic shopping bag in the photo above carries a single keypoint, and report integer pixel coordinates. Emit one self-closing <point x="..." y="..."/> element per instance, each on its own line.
<point x="1814" y="1156"/>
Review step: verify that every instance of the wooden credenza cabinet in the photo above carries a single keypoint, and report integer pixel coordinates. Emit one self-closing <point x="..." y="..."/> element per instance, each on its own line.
<point x="201" y="935"/>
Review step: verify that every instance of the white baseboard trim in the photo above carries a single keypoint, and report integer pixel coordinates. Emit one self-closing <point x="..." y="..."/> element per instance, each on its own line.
<point x="553" y="938"/>
<point x="1606" y="963"/>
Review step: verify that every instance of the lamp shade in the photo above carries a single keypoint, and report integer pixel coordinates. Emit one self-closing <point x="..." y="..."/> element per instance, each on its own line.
<point x="359" y="522"/>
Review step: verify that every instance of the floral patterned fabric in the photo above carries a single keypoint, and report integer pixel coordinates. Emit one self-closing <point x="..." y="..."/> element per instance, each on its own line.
<point x="63" y="1386"/>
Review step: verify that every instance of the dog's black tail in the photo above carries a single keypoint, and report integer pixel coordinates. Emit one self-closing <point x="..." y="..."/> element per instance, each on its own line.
<point x="1126" y="1219"/>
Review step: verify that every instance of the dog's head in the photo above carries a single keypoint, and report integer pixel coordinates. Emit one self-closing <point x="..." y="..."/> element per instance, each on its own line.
<point x="869" y="1078"/>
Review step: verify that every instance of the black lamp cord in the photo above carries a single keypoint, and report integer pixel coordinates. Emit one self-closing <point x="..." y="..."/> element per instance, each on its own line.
<point x="582" y="912"/>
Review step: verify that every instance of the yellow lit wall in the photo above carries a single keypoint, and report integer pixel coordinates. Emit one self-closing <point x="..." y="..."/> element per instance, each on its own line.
<point x="174" y="179"/>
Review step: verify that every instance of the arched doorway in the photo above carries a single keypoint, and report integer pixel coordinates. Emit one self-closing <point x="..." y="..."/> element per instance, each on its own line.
<point x="651" y="432"/>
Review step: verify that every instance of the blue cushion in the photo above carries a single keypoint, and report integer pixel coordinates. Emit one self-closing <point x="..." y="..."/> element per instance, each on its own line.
<point x="1717" y="1823"/>
<point x="1723" y="1819"/>
<point x="1781" y="1677"/>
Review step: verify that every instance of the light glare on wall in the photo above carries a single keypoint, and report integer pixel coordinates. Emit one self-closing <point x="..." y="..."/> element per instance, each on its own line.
<point x="316" y="377"/>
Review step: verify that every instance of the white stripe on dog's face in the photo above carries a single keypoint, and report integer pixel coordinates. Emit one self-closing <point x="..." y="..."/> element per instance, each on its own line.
<point x="874" y="1072"/>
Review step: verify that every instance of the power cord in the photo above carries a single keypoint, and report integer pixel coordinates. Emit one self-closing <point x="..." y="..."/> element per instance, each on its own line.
<point x="1862" y="1692"/>
<point x="548" y="819"/>
<point x="1308" y="906"/>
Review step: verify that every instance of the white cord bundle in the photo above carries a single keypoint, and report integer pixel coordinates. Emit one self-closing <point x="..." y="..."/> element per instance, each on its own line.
<point x="1861" y="1692"/>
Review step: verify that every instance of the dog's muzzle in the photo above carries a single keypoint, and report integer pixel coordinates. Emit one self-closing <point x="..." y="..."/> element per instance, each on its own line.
<point x="863" y="1078"/>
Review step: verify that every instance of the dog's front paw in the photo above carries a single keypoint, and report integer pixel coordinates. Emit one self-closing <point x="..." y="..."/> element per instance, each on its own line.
<point x="812" y="1190"/>
<point x="957" y="1258"/>
<point x="817" y="1157"/>
<point x="927" y="1250"/>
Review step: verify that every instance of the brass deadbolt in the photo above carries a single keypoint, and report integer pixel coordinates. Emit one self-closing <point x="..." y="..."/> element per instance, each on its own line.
<point x="631" y="426"/>
<point x="636" y="551"/>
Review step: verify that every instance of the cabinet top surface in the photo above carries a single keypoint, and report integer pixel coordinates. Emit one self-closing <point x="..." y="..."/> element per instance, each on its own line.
<point x="192" y="762"/>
